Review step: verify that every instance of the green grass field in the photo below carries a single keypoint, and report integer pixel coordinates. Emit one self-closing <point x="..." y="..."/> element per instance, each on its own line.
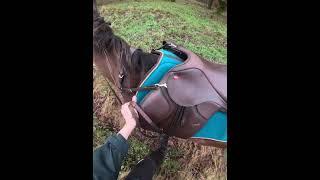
<point x="146" y="24"/>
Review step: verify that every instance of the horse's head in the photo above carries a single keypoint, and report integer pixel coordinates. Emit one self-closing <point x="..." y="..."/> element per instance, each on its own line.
<point x="113" y="56"/>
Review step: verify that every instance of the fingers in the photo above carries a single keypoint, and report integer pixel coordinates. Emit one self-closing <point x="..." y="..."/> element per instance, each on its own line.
<point x="129" y="104"/>
<point x="128" y="109"/>
<point x="134" y="98"/>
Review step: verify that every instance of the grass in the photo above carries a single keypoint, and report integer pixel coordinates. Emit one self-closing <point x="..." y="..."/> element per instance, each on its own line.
<point x="146" y="24"/>
<point x="137" y="151"/>
<point x="100" y="133"/>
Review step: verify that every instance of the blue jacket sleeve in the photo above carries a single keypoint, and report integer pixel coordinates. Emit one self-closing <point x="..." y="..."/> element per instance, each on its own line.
<point x="108" y="158"/>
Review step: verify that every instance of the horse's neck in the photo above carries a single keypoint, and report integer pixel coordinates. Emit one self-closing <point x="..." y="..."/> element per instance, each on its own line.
<point x="143" y="63"/>
<point x="150" y="60"/>
<point x="147" y="60"/>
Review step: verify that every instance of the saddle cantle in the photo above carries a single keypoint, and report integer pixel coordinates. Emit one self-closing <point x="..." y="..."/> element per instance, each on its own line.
<point x="197" y="81"/>
<point x="193" y="90"/>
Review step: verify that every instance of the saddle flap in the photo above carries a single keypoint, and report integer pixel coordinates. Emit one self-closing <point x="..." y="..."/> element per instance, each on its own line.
<point x="190" y="87"/>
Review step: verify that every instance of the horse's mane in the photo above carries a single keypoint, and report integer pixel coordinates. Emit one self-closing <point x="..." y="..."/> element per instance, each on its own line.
<point x="106" y="44"/>
<point x="111" y="47"/>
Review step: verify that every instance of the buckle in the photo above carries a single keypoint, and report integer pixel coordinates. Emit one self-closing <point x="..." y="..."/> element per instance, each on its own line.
<point x="161" y="85"/>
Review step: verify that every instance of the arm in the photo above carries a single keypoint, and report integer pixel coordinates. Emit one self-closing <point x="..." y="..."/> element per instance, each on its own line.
<point x="108" y="158"/>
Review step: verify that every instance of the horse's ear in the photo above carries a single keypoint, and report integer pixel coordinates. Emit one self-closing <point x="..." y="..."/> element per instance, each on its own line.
<point x="94" y="5"/>
<point x="95" y="10"/>
<point x="96" y="14"/>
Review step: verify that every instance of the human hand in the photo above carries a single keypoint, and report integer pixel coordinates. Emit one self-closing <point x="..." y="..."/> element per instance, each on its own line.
<point x="131" y="116"/>
<point x="129" y="113"/>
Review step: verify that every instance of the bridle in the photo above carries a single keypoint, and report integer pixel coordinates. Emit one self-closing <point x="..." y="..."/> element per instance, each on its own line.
<point x="114" y="82"/>
<point x="121" y="76"/>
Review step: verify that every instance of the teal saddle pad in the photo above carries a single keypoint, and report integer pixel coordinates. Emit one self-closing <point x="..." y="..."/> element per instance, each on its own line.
<point x="168" y="61"/>
<point x="215" y="128"/>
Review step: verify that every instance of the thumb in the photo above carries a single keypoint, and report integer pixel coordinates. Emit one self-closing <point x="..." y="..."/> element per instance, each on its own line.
<point x="134" y="98"/>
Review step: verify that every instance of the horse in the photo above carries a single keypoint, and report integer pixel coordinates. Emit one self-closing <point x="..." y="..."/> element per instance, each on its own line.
<point x="122" y="65"/>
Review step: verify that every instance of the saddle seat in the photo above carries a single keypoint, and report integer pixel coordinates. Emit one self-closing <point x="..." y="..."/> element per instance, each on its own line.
<point x="197" y="81"/>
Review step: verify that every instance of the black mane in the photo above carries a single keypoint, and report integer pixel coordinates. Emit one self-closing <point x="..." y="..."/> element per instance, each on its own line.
<point x="106" y="43"/>
<point x="111" y="47"/>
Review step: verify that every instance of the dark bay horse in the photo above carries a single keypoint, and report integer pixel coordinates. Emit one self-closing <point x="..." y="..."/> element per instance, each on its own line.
<point x="123" y="66"/>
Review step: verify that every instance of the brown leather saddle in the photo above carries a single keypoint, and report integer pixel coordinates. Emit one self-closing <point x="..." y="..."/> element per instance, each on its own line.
<point x="186" y="97"/>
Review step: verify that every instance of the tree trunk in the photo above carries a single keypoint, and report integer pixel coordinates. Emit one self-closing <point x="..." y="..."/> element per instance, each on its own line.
<point x="210" y="4"/>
